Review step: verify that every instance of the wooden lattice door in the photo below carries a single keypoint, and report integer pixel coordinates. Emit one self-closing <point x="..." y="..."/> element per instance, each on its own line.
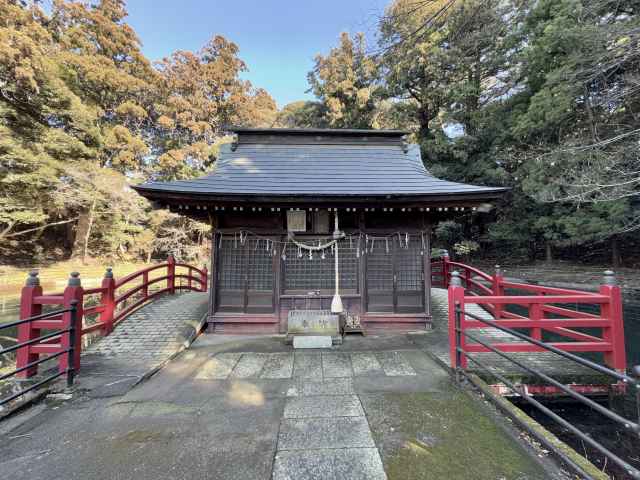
<point x="395" y="275"/>
<point x="245" y="276"/>
<point x="380" y="276"/>
<point x="409" y="275"/>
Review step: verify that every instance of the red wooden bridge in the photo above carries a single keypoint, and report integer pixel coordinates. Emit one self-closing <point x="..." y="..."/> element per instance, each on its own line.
<point x="535" y="310"/>
<point x="548" y="309"/>
<point x="111" y="303"/>
<point x="495" y="325"/>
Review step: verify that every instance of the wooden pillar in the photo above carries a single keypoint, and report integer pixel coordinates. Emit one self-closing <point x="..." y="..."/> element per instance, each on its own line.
<point x="28" y="308"/>
<point x="145" y="284"/>
<point x="498" y="291"/>
<point x="74" y="291"/>
<point x="456" y="299"/>
<point x="205" y="279"/>
<point x="445" y="269"/>
<point x="171" y="274"/>
<point x="215" y="239"/>
<point x="277" y="285"/>
<point x="426" y="258"/>
<point x="536" y="314"/>
<point x="362" y="265"/>
<point x="108" y="302"/>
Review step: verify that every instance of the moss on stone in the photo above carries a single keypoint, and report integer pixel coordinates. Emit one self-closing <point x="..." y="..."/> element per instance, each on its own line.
<point x="445" y="435"/>
<point x="557" y="444"/>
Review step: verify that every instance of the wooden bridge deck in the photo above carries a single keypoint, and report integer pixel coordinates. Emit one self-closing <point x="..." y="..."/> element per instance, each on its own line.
<point x="549" y="363"/>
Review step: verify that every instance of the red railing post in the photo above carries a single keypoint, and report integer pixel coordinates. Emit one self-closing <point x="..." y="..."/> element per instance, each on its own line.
<point x="536" y="315"/>
<point x="145" y="285"/>
<point x="205" y="278"/>
<point x="445" y="269"/>
<point x="74" y="291"/>
<point x="189" y="275"/>
<point x="498" y="291"/>
<point x="614" y="333"/>
<point x="108" y="302"/>
<point x="171" y="274"/>
<point x="28" y="308"/>
<point x="456" y="299"/>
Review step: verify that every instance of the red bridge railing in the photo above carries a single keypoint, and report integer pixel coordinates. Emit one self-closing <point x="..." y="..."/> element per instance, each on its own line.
<point x="554" y="310"/>
<point x="117" y="299"/>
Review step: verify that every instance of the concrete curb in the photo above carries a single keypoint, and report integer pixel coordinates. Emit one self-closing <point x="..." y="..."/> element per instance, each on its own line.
<point x="28" y="400"/>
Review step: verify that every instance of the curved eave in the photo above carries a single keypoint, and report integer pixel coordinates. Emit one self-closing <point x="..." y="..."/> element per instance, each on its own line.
<point x="169" y="196"/>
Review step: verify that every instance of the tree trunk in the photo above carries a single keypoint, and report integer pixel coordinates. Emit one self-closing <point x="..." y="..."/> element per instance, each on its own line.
<point x="7" y="229"/>
<point x="423" y="120"/>
<point x="83" y="233"/>
<point x="533" y="251"/>
<point x="616" y="261"/>
<point x="548" y="253"/>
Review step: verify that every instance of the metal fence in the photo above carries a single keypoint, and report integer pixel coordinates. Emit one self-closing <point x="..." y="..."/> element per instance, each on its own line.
<point x="66" y="368"/>
<point x="621" y="378"/>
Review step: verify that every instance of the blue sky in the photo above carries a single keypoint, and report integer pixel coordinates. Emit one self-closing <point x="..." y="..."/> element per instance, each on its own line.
<point x="278" y="39"/>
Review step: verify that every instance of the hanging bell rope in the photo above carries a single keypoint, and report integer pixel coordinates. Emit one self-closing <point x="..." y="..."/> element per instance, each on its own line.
<point x="336" y="301"/>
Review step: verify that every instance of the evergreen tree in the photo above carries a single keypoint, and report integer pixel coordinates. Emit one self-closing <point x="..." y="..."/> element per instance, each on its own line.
<point x="346" y="82"/>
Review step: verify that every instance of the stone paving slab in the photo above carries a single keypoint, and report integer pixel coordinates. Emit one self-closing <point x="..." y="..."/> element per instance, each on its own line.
<point x="336" y="365"/>
<point x="218" y="367"/>
<point x="344" y="464"/>
<point x="249" y="366"/>
<point x="313" y="366"/>
<point x="366" y="364"/>
<point x="314" y="433"/>
<point x="318" y="406"/>
<point x="307" y="365"/>
<point x="394" y="364"/>
<point x="278" y="365"/>
<point x="330" y="386"/>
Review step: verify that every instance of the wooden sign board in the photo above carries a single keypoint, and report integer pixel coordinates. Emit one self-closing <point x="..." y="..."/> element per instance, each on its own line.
<point x="296" y="221"/>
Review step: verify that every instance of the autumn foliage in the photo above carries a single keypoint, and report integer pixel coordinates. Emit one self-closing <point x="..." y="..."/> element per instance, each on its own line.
<point x="83" y="114"/>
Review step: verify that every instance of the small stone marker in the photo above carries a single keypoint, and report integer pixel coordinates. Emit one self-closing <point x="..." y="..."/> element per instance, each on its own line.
<point x="312" y="322"/>
<point x="312" y="341"/>
<point x="313" y="328"/>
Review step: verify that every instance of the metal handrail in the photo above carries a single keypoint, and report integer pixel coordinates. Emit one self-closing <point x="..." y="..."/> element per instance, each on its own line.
<point x="70" y="331"/>
<point x="583" y="361"/>
<point x="635" y="427"/>
<point x="32" y="319"/>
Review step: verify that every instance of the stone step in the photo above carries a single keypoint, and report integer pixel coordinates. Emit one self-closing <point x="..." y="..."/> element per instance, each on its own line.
<point x="312" y="341"/>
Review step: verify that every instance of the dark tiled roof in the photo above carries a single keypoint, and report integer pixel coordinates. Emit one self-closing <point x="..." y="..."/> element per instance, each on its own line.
<point x="336" y="132"/>
<point x="340" y="169"/>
